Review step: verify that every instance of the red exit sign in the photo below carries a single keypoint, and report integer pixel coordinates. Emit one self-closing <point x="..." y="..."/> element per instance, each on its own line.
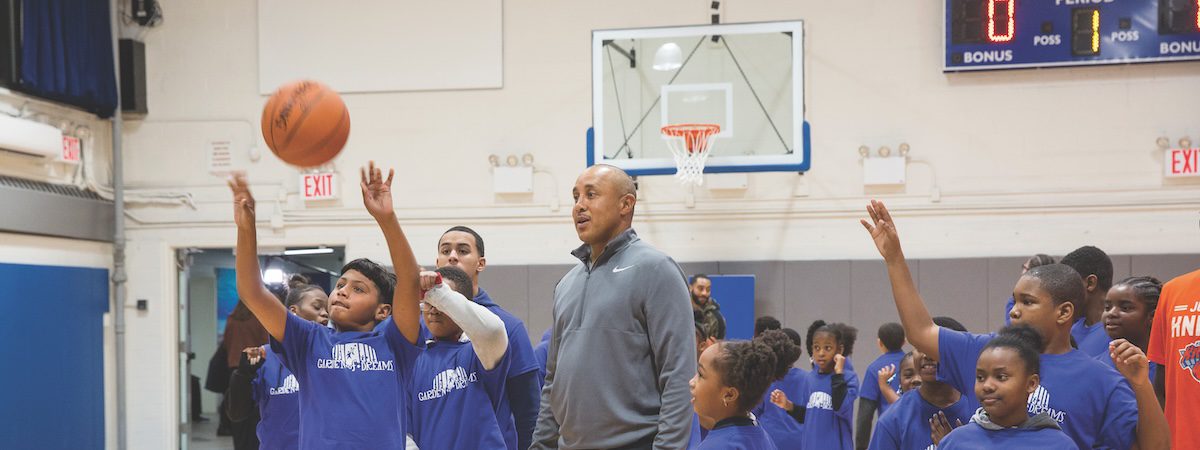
<point x="1181" y="162"/>
<point x="72" y="150"/>
<point x="318" y="186"/>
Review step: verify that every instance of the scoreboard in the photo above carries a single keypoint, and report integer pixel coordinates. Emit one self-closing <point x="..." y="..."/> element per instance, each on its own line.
<point x="1008" y="34"/>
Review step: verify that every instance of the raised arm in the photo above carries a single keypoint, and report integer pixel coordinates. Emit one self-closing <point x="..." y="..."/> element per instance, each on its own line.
<point x="886" y="393"/>
<point x="1153" y="432"/>
<point x="377" y="197"/>
<point x="265" y="306"/>
<point x="918" y="324"/>
<point x="488" y="336"/>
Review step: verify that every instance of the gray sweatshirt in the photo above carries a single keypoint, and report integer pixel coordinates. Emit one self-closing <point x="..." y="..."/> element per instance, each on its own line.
<point x="621" y="354"/>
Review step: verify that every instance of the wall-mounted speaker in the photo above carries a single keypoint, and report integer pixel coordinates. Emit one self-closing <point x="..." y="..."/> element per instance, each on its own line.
<point x="133" y="77"/>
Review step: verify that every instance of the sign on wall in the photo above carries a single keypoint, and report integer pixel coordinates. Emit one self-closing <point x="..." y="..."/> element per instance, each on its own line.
<point x="318" y="186"/>
<point x="1181" y="162"/>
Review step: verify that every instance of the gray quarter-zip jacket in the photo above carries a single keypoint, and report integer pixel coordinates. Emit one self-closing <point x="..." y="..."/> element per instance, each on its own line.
<point x="621" y="354"/>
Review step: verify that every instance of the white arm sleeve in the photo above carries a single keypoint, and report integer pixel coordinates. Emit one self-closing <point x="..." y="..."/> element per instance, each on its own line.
<point x="488" y="336"/>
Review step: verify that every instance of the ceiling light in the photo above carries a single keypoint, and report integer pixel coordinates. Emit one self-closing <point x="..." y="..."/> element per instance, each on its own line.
<point x="668" y="57"/>
<point x="308" y="251"/>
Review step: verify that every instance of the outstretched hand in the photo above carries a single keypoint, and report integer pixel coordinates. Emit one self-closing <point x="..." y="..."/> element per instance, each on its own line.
<point x="377" y="192"/>
<point x="883" y="230"/>
<point x="886" y="374"/>
<point x="1129" y="360"/>
<point x="243" y="201"/>
<point x="778" y="398"/>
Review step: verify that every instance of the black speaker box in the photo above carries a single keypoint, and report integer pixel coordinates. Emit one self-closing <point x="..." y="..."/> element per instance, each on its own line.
<point x="133" y="77"/>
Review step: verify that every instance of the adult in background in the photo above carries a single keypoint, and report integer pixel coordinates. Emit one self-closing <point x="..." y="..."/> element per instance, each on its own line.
<point x="242" y="330"/>
<point x="623" y="345"/>
<point x="710" y="311"/>
<point x="517" y="407"/>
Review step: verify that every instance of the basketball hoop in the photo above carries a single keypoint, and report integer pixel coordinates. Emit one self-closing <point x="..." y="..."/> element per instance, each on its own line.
<point x="690" y="144"/>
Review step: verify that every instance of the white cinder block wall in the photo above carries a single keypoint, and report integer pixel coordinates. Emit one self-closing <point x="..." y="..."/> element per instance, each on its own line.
<point x="1026" y="161"/>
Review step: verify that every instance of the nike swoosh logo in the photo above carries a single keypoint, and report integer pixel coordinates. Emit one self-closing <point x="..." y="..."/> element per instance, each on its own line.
<point x="622" y="269"/>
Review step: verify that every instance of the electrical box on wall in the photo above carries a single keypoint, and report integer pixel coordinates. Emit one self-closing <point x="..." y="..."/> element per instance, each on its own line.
<point x="144" y="12"/>
<point x="512" y="180"/>
<point x="887" y="171"/>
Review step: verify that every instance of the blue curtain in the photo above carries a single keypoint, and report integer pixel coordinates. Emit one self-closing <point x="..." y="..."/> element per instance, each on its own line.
<point x="67" y="53"/>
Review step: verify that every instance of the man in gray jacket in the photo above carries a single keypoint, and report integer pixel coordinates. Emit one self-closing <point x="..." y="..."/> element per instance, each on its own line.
<point x="623" y="345"/>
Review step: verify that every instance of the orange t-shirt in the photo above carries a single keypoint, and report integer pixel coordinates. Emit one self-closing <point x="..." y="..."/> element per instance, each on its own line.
<point x="1175" y="345"/>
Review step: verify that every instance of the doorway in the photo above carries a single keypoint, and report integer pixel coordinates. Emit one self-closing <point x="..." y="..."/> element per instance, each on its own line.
<point x="207" y="295"/>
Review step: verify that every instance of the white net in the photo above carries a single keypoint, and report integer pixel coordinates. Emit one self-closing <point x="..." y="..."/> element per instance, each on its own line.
<point x="690" y="145"/>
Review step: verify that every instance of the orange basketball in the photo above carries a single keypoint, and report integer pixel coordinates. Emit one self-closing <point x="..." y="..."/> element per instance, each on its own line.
<point x="305" y="123"/>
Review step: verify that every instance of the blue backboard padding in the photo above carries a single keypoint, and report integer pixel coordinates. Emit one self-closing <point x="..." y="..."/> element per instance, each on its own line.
<point x="735" y="294"/>
<point x="805" y="147"/>
<point x="54" y="353"/>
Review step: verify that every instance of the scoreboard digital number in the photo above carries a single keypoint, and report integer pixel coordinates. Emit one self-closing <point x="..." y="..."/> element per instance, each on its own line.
<point x="1009" y="34"/>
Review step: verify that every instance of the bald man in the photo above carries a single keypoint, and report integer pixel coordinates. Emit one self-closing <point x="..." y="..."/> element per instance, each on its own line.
<point x="623" y="346"/>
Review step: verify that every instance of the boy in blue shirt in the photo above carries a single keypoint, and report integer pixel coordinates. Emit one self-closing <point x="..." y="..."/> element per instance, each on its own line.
<point x="360" y="371"/>
<point x="907" y="424"/>
<point x="261" y="379"/>
<point x="1033" y="261"/>
<point x="457" y="382"/>
<point x="1005" y="377"/>
<point x="462" y="247"/>
<point x="1096" y="269"/>
<point x="870" y="398"/>
<point x="1091" y="402"/>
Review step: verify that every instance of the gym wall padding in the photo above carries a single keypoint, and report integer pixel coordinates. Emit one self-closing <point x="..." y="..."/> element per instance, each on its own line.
<point x="54" y="357"/>
<point x="972" y="290"/>
<point x="735" y="294"/>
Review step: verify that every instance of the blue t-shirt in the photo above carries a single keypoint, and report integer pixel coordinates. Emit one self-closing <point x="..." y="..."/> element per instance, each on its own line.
<point x="453" y="400"/>
<point x="906" y="424"/>
<point x="1008" y="306"/>
<point x="695" y="438"/>
<point x="359" y="376"/>
<point x="1092" y="340"/>
<point x="737" y="437"/>
<point x="835" y="425"/>
<point x="541" y="352"/>
<point x="520" y="361"/>
<point x="972" y="436"/>
<point x="1090" y="401"/>
<point x="276" y="392"/>
<point x="870" y="386"/>
<point x="784" y="430"/>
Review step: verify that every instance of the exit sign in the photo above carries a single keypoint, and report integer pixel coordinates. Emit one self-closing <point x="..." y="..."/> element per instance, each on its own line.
<point x="1181" y="162"/>
<point x="318" y="186"/>
<point x="71" y="150"/>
